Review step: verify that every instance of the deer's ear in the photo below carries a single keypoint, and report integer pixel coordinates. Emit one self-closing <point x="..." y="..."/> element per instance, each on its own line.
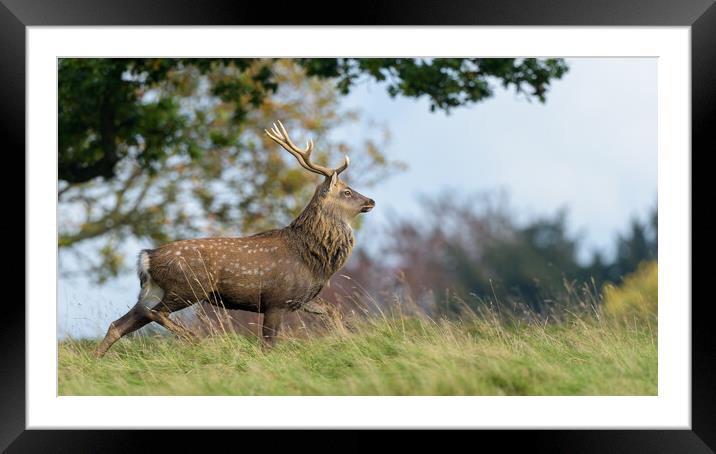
<point x="334" y="179"/>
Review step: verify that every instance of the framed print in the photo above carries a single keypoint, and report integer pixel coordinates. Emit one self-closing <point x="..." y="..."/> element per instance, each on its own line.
<point x="403" y="218"/>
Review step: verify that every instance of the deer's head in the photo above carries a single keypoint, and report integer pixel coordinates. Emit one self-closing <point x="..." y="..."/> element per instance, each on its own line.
<point x="333" y="194"/>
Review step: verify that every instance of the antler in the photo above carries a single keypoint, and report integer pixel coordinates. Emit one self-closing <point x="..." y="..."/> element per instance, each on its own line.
<point x="280" y="136"/>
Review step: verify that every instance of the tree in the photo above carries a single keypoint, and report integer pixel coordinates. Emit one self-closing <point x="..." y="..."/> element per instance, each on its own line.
<point x="638" y="244"/>
<point x="241" y="183"/>
<point x="471" y="251"/>
<point x="109" y="107"/>
<point x="158" y="149"/>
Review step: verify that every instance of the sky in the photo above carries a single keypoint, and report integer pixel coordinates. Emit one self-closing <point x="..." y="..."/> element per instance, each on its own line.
<point x="591" y="149"/>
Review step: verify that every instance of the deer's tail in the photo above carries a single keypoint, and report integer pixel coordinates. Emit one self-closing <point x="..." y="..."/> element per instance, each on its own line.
<point x="143" y="266"/>
<point x="151" y="294"/>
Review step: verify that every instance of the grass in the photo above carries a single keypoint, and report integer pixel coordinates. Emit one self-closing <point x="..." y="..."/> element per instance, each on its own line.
<point x="400" y="356"/>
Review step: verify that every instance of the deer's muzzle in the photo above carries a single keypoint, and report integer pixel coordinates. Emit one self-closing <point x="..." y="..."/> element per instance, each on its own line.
<point x="367" y="207"/>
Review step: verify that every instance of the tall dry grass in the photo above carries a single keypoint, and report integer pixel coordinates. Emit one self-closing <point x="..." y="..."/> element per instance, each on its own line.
<point x="385" y="349"/>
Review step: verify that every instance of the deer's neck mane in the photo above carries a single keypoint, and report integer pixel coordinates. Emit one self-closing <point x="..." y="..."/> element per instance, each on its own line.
<point x="322" y="237"/>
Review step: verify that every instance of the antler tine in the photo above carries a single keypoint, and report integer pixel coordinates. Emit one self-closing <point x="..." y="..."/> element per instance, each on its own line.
<point x="280" y="136"/>
<point x="343" y="166"/>
<point x="309" y="144"/>
<point x="281" y="139"/>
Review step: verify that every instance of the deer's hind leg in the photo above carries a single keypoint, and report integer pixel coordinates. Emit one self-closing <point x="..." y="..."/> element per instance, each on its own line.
<point x="160" y="314"/>
<point x="129" y="322"/>
<point x="150" y="295"/>
<point x="153" y="306"/>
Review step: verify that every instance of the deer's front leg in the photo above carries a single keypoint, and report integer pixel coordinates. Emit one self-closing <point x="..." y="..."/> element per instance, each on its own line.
<point x="273" y="320"/>
<point x="318" y="306"/>
<point x="327" y="312"/>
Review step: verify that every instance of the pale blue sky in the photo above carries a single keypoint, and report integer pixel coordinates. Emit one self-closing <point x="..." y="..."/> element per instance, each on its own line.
<point x="592" y="148"/>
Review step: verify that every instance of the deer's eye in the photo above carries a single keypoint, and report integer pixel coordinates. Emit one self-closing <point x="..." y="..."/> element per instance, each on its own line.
<point x="347" y="193"/>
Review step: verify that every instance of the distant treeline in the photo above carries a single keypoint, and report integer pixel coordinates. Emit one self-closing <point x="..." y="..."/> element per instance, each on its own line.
<point x="475" y="252"/>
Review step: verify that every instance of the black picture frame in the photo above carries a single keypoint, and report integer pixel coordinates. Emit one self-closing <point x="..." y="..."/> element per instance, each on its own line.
<point x="700" y="15"/>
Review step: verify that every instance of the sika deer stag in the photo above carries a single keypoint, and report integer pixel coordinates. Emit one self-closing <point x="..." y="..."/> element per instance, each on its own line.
<point x="273" y="272"/>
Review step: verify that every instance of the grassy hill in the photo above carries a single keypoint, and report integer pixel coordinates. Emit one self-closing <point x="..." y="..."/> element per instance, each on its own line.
<point x="386" y="356"/>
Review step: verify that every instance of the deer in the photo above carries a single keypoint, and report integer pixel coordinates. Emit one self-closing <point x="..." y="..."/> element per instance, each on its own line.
<point x="272" y="273"/>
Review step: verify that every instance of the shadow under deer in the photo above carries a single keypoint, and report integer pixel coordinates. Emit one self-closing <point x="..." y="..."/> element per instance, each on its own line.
<point x="273" y="273"/>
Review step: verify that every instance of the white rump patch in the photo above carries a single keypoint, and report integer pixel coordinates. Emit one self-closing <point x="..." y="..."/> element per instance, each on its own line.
<point x="151" y="294"/>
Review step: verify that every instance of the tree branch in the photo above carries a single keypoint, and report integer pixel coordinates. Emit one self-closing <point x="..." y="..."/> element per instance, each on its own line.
<point x="114" y="218"/>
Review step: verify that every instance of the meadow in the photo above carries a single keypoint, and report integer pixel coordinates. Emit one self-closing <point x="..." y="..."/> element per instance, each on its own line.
<point x="609" y="348"/>
<point x="383" y="356"/>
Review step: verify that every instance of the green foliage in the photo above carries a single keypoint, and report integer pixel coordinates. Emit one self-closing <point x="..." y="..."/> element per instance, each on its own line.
<point x="157" y="149"/>
<point x="116" y="107"/>
<point x="530" y="263"/>
<point x="378" y="357"/>
<point x="639" y="243"/>
<point x="446" y="82"/>
<point x="111" y="108"/>
<point x="637" y="297"/>
<point x="221" y="177"/>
